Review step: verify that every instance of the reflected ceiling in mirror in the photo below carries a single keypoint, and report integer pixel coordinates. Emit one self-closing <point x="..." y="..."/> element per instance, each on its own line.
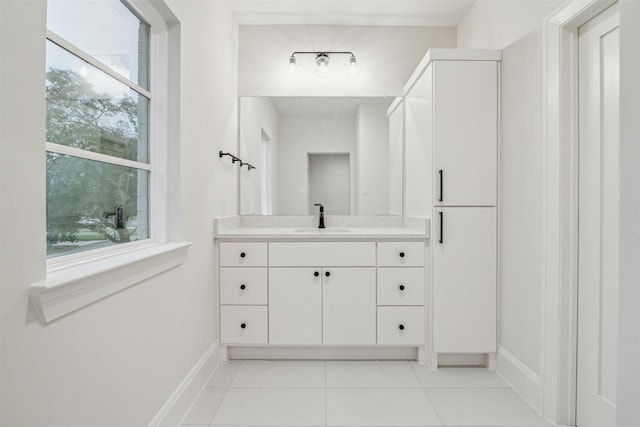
<point x="333" y="151"/>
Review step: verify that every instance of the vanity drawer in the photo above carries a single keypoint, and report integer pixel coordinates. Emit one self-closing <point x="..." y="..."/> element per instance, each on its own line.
<point x="243" y="286"/>
<point x="401" y="286"/>
<point x="320" y="254"/>
<point x="401" y="254"/>
<point x="401" y="325"/>
<point x="234" y="317"/>
<point x="243" y="254"/>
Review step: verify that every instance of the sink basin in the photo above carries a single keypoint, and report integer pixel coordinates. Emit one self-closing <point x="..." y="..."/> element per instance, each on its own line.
<point x="321" y="230"/>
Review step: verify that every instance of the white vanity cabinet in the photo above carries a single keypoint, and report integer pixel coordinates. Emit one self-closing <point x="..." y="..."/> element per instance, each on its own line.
<point x="329" y="293"/>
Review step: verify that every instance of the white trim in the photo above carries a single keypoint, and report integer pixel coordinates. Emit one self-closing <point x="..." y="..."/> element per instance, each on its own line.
<point x="181" y="400"/>
<point x="523" y="379"/>
<point x="98" y="157"/>
<point x="560" y="219"/>
<point x="64" y="44"/>
<point x="395" y="104"/>
<point x="70" y="289"/>
<point x="73" y="260"/>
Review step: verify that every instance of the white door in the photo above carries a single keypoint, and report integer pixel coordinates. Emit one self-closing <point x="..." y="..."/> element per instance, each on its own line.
<point x="465" y="133"/>
<point x="599" y="220"/>
<point x="464" y="280"/>
<point x="329" y="183"/>
<point x="295" y="306"/>
<point x="349" y="306"/>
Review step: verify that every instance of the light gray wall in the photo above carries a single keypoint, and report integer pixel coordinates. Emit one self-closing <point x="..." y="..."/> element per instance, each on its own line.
<point x="116" y="362"/>
<point x="387" y="55"/>
<point x="628" y="414"/>
<point x="495" y="24"/>
<point x="521" y="199"/>
<point x="257" y="114"/>
<point x="372" y="160"/>
<point x="304" y="134"/>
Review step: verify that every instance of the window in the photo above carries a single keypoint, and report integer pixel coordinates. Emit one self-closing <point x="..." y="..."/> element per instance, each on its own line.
<point x="98" y="143"/>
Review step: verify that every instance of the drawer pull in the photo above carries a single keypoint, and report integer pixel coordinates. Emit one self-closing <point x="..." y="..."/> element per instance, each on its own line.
<point x="401" y="327"/>
<point x="242" y="255"/>
<point x="243" y="286"/>
<point x="401" y="254"/>
<point x="315" y="273"/>
<point x="327" y="273"/>
<point x="401" y="287"/>
<point x="243" y="325"/>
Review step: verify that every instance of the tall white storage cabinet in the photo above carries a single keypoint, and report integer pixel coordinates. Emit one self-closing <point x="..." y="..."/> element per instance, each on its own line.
<point x="451" y="104"/>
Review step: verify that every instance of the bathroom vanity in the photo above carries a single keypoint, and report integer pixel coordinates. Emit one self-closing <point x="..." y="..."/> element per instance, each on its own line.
<point x="348" y="286"/>
<point x="371" y="282"/>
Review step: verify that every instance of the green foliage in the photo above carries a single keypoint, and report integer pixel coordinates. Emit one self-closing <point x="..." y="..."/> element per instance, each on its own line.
<point x="81" y="193"/>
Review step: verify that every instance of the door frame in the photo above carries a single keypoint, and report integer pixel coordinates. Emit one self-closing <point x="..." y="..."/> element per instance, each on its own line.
<point x="351" y="177"/>
<point x="560" y="208"/>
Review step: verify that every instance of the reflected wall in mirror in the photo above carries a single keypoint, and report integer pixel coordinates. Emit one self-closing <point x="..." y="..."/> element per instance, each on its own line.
<point x="333" y="151"/>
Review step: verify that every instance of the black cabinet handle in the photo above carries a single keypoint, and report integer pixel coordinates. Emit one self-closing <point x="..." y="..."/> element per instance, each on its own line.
<point x="243" y="325"/>
<point x="441" y="241"/>
<point x="327" y="273"/>
<point x="401" y="327"/>
<point x="401" y="254"/>
<point x="441" y="181"/>
<point x="315" y="273"/>
<point x="242" y="255"/>
<point x="243" y="286"/>
<point x="401" y="287"/>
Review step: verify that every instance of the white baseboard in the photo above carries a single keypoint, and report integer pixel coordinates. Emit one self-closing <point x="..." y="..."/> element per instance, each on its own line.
<point x="179" y="403"/>
<point x="522" y="378"/>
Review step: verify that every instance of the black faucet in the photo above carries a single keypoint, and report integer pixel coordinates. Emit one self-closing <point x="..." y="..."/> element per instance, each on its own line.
<point x="321" y="225"/>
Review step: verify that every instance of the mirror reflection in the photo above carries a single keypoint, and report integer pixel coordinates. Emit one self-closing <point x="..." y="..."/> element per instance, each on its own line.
<point x="308" y="150"/>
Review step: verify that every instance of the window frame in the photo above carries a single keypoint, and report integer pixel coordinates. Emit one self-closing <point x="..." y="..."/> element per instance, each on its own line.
<point x="77" y="280"/>
<point x="157" y="140"/>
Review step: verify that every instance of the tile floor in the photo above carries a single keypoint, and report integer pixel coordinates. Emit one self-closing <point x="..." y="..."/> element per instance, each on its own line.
<point x="357" y="393"/>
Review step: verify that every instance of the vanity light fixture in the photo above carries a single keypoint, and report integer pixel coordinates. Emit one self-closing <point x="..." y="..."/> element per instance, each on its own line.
<point x="322" y="61"/>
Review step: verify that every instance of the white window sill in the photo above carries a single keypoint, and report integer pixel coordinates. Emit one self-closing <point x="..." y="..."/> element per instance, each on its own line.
<point x="70" y="289"/>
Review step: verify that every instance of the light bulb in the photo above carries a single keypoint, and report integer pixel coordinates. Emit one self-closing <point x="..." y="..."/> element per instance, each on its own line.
<point x="322" y="60"/>
<point x="292" y="68"/>
<point x="352" y="67"/>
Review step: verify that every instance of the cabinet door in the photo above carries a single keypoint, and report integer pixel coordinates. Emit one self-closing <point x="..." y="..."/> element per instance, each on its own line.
<point x="349" y="306"/>
<point x="464" y="280"/>
<point x="295" y="306"/>
<point x="465" y="128"/>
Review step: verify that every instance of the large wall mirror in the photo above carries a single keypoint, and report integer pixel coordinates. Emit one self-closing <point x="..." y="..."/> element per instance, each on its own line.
<point x="334" y="151"/>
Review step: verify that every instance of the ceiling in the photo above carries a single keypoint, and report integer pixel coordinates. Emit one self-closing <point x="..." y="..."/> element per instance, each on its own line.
<point x="351" y="12"/>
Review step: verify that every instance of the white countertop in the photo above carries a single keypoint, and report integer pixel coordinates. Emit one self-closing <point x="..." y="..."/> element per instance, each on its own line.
<point x="305" y="228"/>
<point x="321" y="234"/>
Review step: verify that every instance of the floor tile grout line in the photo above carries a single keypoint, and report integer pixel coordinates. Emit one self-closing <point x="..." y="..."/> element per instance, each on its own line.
<point x="326" y="403"/>
<point x="225" y="394"/>
<point x="435" y="411"/>
<point x="424" y="391"/>
<point x="415" y="374"/>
